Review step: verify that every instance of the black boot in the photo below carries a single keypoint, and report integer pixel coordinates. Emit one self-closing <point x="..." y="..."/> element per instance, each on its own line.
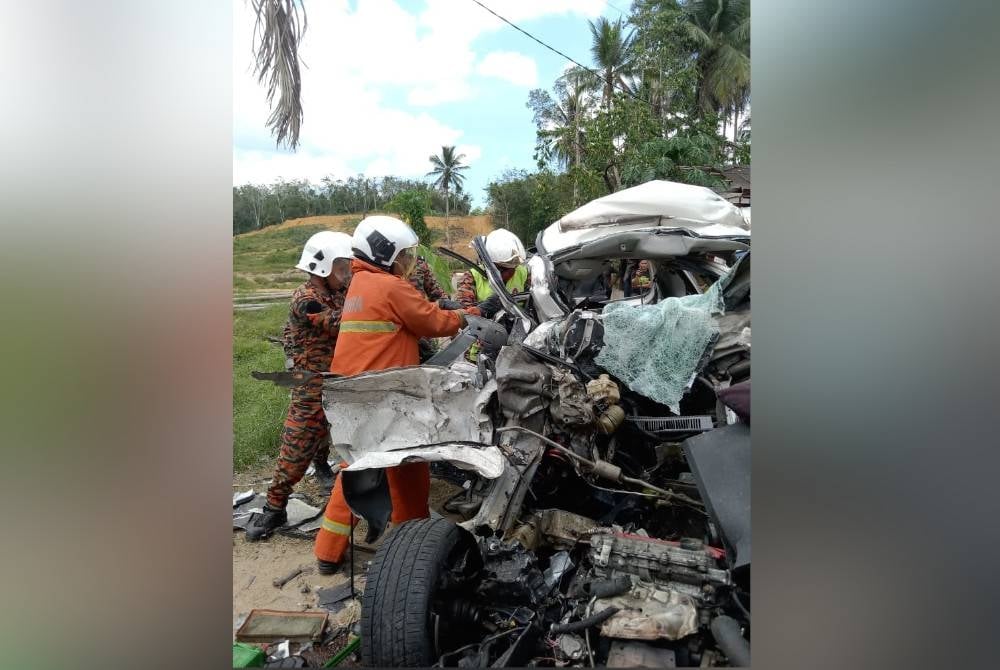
<point x="263" y="525"/>
<point x="324" y="475"/>
<point x="327" y="567"/>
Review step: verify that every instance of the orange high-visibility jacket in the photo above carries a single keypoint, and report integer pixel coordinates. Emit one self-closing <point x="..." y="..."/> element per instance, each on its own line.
<point x="382" y="320"/>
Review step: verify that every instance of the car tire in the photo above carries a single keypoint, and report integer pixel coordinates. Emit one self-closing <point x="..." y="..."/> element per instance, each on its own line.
<point x="396" y="629"/>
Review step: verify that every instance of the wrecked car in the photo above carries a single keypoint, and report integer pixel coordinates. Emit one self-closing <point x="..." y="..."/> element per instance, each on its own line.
<point x="602" y="447"/>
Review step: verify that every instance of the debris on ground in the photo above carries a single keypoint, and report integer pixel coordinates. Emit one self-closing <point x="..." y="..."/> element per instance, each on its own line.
<point x="334" y="598"/>
<point x="276" y="626"/>
<point x="299" y="511"/>
<point x="279" y="582"/>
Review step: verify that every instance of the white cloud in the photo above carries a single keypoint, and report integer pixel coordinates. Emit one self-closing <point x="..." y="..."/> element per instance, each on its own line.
<point x="353" y="60"/>
<point x="259" y="167"/>
<point x="510" y="66"/>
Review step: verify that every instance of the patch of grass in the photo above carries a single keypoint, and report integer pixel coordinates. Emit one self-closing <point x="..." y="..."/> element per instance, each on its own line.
<point x="258" y="407"/>
<point x="244" y="282"/>
<point x="271" y="251"/>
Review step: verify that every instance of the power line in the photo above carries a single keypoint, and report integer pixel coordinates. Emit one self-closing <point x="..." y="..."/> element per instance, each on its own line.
<point x="596" y="74"/>
<point x="620" y="11"/>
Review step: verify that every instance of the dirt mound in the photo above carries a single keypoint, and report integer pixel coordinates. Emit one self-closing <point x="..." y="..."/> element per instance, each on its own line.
<point x="455" y="232"/>
<point x="342" y="222"/>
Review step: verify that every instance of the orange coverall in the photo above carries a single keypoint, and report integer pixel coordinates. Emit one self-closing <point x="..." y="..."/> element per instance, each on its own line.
<point x="383" y="317"/>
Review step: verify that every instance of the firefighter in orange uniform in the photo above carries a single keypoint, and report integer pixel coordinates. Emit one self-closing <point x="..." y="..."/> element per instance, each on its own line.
<point x="383" y="318"/>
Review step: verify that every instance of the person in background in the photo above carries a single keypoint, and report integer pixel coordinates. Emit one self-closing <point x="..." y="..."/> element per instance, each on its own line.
<point x="642" y="278"/>
<point x="383" y="317"/>
<point x="309" y="339"/>
<point x="507" y="252"/>
<point x="423" y="280"/>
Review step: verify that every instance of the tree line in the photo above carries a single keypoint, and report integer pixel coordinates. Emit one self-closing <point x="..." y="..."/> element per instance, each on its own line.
<point x="256" y="206"/>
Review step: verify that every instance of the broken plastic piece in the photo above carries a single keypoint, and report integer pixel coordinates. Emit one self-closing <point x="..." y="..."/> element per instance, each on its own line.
<point x="240" y="498"/>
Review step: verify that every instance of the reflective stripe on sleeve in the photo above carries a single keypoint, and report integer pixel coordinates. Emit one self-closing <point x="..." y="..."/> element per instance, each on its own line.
<point x="367" y="327"/>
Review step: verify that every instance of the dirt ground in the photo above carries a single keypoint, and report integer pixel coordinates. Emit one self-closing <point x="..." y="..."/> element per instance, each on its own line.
<point x="256" y="564"/>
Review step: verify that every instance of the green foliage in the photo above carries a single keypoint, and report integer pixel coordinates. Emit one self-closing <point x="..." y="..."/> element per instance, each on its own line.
<point x="718" y="32"/>
<point x="258" y="407"/>
<point x="440" y="267"/>
<point x="412" y="206"/>
<point x="525" y="203"/>
<point x="668" y="82"/>
<point x="448" y="168"/>
<point x="684" y="158"/>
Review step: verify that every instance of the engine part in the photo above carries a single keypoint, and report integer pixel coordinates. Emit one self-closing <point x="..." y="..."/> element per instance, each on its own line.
<point x="639" y="655"/>
<point x="630" y="480"/>
<point x="603" y="389"/>
<point x="571" y="407"/>
<point x="726" y="632"/>
<point x="611" y="419"/>
<point x="527" y="533"/>
<point x="571" y="647"/>
<point x="608" y="471"/>
<point x="607" y="588"/>
<point x="650" y="613"/>
<point x="672" y="424"/>
<point x="564" y="529"/>
<point x="583" y="624"/>
<point x="655" y="560"/>
<point x="511" y="575"/>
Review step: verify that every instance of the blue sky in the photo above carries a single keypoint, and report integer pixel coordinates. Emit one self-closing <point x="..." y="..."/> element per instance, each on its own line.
<point x="388" y="82"/>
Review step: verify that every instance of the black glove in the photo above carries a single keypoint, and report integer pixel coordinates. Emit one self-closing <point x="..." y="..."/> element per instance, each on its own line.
<point x="314" y="307"/>
<point x="445" y="303"/>
<point x="489" y="307"/>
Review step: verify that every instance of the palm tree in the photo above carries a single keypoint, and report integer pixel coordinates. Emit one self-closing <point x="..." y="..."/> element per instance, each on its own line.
<point x="277" y="35"/>
<point x="613" y="54"/>
<point x="720" y="33"/>
<point x="448" y="169"/>
<point x="558" y="120"/>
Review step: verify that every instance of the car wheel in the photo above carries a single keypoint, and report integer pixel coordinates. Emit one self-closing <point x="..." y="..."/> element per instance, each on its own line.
<point x="397" y="624"/>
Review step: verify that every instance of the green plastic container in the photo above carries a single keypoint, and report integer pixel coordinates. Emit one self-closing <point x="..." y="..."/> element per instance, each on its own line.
<point x="247" y="656"/>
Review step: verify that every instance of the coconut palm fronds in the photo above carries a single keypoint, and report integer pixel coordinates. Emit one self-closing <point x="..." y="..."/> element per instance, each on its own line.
<point x="277" y="36"/>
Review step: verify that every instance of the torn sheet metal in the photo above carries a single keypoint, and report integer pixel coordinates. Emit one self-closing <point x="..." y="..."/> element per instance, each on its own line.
<point x="558" y="565"/>
<point x="487" y="461"/>
<point x="403" y="408"/>
<point x="299" y="512"/>
<point x="649" y="613"/>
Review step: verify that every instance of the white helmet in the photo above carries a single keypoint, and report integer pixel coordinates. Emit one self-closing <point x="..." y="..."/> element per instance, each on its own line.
<point x="504" y="247"/>
<point x="379" y="239"/>
<point x="320" y="251"/>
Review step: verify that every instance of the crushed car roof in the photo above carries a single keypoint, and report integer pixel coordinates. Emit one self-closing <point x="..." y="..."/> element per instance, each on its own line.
<point x="664" y="205"/>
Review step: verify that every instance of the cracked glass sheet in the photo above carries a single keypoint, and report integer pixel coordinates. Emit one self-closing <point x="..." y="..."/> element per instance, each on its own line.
<point x="487" y="461"/>
<point x="403" y="408"/>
